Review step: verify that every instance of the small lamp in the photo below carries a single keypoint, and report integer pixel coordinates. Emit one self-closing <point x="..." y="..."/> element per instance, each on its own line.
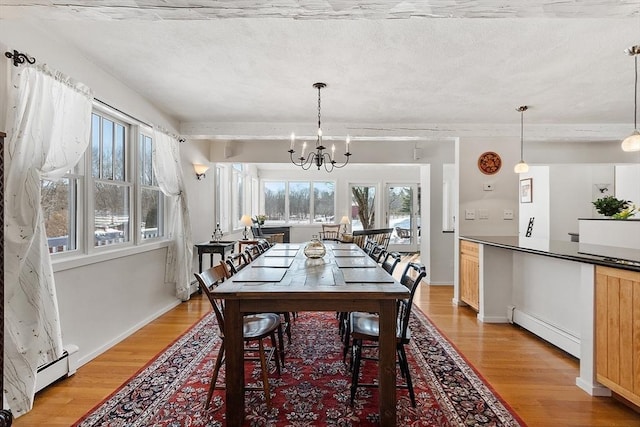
<point x="522" y="166"/>
<point x="247" y="222"/>
<point x="344" y="221"/>
<point x="200" y="170"/>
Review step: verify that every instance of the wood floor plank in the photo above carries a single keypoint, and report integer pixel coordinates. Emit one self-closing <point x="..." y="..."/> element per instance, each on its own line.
<point x="535" y="378"/>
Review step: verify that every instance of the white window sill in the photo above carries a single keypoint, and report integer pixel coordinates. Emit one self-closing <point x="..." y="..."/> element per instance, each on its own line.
<point x="69" y="262"/>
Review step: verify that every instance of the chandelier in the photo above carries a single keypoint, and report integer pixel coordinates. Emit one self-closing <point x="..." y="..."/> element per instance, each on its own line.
<point x="319" y="157"/>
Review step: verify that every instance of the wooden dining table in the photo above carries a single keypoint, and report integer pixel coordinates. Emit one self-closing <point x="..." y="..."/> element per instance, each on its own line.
<point x="310" y="285"/>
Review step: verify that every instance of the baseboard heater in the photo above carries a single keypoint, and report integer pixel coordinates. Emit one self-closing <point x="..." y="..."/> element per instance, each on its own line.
<point x="65" y="366"/>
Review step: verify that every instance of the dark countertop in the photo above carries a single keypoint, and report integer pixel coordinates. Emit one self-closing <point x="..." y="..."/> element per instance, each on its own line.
<point x="609" y="256"/>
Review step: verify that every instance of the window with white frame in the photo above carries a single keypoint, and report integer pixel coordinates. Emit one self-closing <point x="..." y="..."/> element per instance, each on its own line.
<point x="237" y="195"/>
<point x="299" y="202"/>
<point x="111" y="184"/>
<point x="108" y="191"/>
<point x="151" y="197"/>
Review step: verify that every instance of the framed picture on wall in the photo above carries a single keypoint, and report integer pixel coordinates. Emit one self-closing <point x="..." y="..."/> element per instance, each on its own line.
<point x="526" y="190"/>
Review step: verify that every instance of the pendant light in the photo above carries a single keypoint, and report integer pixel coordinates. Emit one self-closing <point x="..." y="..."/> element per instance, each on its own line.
<point x="522" y="166"/>
<point x="632" y="142"/>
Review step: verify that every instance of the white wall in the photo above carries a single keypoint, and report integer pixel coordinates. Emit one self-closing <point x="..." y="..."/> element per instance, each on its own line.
<point x="540" y="207"/>
<point x="504" y="193"/>
<point x="627" y="183"/>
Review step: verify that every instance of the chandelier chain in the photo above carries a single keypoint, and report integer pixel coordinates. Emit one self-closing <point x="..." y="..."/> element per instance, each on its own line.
<point x="635" y="94"/>
<point x="319" y="87"/>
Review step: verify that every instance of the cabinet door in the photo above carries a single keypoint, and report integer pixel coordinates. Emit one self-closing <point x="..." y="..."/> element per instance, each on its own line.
<point x="469" y="274"/>
<point x="618" y="331"/>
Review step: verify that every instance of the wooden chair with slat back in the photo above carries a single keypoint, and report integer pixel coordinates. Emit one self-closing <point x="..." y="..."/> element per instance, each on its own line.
<point x="256" y="327"/>
<point x="365" y="327"/>
<point x="389" y="261"/>
<point x="330" y="232"/>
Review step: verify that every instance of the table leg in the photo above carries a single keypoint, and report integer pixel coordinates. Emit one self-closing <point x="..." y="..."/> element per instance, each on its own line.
<point x="234" y="363"/>
<point x="387" y="363"/>
<point x="199" y="261"/>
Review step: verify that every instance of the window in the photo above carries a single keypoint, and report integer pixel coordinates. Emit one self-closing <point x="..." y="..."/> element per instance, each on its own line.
<point x="98" y="206"/>
<point x="59" y="205"/>
<point x="275" y="201"/>
<point x="151" y="197"/>
<point x="324" y="202"/>
<point x="299" y="202"/>
<point x="238" y="207"/>
<point x="112" y="191"/>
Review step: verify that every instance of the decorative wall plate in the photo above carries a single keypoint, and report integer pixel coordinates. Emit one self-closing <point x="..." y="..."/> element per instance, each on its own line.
<point x="489" y="163"/>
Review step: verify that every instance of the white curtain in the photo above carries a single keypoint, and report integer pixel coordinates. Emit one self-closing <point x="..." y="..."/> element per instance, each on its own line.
<point x="50" y="122"/>
<point x="168" y="171"/>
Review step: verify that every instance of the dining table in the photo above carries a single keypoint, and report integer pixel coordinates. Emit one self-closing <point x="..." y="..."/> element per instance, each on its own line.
<point x="291" y="282"/>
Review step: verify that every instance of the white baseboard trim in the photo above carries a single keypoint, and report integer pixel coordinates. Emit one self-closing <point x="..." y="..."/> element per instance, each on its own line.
<point x="593" y="389"/>
<point x="493" y="319"/>
<point x="87" y="358"/>
<point x="548" y="332"/>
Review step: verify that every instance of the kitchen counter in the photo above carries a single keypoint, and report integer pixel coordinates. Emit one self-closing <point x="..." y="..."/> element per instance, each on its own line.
<point x="608" y="256"/>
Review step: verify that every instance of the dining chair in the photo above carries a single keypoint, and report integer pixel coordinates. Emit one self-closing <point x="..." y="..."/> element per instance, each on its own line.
<point x="375" y="252"/>
<point x="256" y="327"/>
<point x="330" y="232"/>
<point x="365" y="328"/>
<point x="230" y="269"/>
<point x="236" y="262"/>
<point x="389" y="261"/>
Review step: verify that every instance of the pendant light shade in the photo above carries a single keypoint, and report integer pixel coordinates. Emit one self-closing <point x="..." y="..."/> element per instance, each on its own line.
<point x="632" y="142"/>
<point x="522" y="166"/>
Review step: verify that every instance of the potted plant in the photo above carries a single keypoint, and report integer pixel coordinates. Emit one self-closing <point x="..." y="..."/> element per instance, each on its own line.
<point x="260" y="219"/>
<point x="611" y="206"/>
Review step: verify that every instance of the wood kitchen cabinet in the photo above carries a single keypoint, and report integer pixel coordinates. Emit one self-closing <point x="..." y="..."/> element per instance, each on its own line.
<point x="469" y="274"/>
<point x="617" y="318"/>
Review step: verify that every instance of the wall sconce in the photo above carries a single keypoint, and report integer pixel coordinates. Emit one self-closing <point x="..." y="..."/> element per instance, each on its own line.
<point x="200" y="170"/>
<point x="344" y="221"/>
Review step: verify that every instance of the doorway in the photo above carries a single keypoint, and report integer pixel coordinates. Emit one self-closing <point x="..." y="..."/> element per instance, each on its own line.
<point x="402" y="214"/>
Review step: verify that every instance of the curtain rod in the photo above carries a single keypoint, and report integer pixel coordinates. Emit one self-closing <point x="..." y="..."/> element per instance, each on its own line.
<point x="161" y="129"/>
<point x="122" y="112"/>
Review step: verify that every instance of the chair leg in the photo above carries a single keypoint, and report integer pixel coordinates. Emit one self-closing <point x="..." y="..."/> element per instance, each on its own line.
<point x="214" y="377"/>
<point x="404" y="362"/>
<point x="287" y="320"/>
<point x="346" y="339"/>
<point x="265" y="377"/>
<point x="279" y="348"/>
<point x="356" y="348"/>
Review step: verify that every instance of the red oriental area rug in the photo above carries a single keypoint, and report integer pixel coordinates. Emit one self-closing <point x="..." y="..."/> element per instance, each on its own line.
<point x="313" y="388"/>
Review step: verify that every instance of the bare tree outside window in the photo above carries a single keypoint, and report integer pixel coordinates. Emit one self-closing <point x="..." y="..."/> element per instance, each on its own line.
<point x="363" y="215"/>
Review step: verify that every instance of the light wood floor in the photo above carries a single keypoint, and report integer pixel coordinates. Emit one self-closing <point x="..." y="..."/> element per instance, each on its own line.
<point x="536" y="379"/>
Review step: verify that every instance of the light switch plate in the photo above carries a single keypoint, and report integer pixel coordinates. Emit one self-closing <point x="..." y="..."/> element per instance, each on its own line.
<point x="487" y="187"/>
<point x="483" y="213"/>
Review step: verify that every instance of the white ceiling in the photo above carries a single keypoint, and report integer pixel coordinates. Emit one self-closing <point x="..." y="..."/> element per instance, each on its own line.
<point x="432" y="62"/>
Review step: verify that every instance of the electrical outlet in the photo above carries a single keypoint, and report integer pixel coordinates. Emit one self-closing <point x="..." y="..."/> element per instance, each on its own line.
<point x="508" y="214"/>
<point x="470" y="214"/>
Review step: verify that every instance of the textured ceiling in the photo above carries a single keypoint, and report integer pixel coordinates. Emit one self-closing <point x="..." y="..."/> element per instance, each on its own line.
<point x="421" y="62"/>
